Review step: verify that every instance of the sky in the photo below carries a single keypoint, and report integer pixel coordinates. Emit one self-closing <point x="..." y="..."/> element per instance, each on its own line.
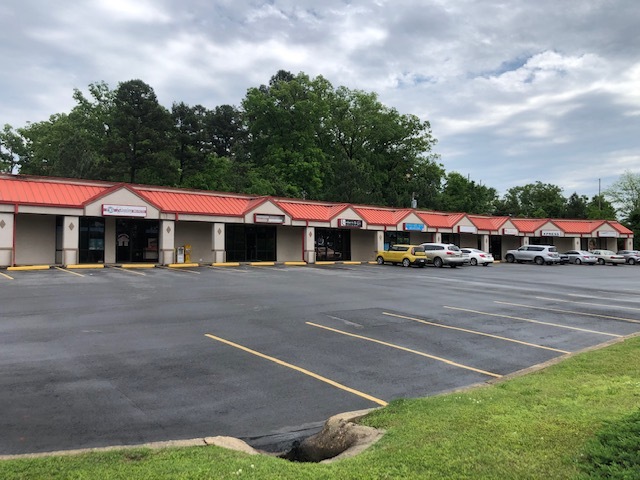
<point x="516" y="91"/>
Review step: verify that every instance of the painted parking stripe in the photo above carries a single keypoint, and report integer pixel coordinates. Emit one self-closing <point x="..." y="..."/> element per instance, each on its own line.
<point x="69" y="271"/>
<point x="573" y="312"/>
<point x="130" y="271"/>
<point x="475" y="332"/>
<point x="405" y="349"/>
<point x="180" y="270"/>
<point x="299" y="369"/>
<point x="8" y="277"/>
<point x="528" y="320"/>
<point x="619" y="307"/>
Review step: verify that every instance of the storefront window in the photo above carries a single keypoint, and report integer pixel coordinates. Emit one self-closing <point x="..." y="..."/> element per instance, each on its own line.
<point x="250" y="244"/>
<point x="91" y="245"/>
<point x="332" y="244"/>
<point x="396" y="238"/>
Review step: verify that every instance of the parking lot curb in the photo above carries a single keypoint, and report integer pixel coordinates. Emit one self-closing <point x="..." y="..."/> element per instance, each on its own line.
<point x="295" y="264"/>
<point x="325" y="263"/>
<point x="262" y="264"/>
<point x="84" y="266"/>
<point x="29" y="267"/>
<point x="136" y="265"/>
<point x="183" y="265"/>
<point x="226" y="264"/>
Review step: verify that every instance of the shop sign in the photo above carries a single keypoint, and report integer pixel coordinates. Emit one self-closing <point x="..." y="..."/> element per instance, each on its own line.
<point x="551" y="233"/>
<point x="349" y="223"/>
<point x="467" y="229"/>
<point x="123" y="211"/>
<point x="608" y="234"/>
<point x="414" y="227"/>
<point x="510" y="231"/>
<point x="266" y="218"/>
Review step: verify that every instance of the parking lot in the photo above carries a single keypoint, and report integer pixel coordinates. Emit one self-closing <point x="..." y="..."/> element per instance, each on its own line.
<point x="92" y="358"/>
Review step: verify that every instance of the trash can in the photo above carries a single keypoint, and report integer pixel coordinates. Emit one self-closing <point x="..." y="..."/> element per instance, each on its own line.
<point x="180" y="255"/>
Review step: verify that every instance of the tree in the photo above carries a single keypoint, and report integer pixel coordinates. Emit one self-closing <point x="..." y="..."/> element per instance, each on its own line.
<point x="12" y="150"/>
<point x="190" y="138"/>
<point x="600" y="209"/>
<point x="534" y="200"/>
<point x="140" y="141"/>
<point x="625" y="193"/>
<point x="576" y="206"/>
<point x="463" y="195"/>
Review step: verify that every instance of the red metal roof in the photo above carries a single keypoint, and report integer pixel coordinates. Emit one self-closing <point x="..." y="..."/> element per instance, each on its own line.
<point x="381" y="216"/>
<point x="487" y="223"/>
<point x="582" y="227"/>
<point x="440" y="219"/>
<point x="20" y="191"/>
<point x="619" y="227"/>
<point x="196" y="203"/>
<point x="528" y="225"/>
<point x="316" y="212"/>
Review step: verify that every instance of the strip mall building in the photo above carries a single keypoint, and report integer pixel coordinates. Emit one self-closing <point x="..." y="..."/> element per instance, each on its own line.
<point x="52" y="221"/>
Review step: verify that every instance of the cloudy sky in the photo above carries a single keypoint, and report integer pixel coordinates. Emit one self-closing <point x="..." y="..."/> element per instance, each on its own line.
<point x="516" y="90"/>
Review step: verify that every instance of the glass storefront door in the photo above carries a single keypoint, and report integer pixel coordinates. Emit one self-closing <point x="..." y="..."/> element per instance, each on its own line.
<point x="91" y="242"/>
<point x="332" y="244"/>
<point x="136" y="240"/>
<point x="250" y="243"/>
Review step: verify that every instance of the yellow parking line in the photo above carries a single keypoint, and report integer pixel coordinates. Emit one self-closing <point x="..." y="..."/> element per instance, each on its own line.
<point x="622" y="307"/>
<point x="475" y="332"/>
<point x="298" y="369"/>
<point x="69" y="271"/>
<point x="180" y="269"/>
<point x="262" y="264"/>
<point x="416" y="352"/>
<point x="130" y="271"/>
<point x="622" y="319"/>
<point x="6" y="276"/>
<point x="325" y="263"/>
<point x="532" y="321"/>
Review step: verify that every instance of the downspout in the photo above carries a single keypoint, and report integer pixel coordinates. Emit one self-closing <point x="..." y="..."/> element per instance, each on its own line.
<point x="15" y="223"/>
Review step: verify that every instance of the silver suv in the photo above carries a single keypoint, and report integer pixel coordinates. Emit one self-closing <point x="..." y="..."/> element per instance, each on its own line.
<point x="540" y="254"/>
<point x="630" y="256"/>
<point x="443" y="254"/>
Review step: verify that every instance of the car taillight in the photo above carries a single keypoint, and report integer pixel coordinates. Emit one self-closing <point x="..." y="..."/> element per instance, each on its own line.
<point x="450" y="253"/>
<point x="482" y="255"/>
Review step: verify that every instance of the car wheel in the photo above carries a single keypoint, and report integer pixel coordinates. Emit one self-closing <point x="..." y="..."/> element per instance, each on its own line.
<point x="631" y="261"/>
<point x="437" y="262"/>
<point x="406" y="262"/>
<point x="539" y="261"/>
<point x="510" y="258"/>
<point x="380" y="260"/>
<point x="578" y="261"/>
<point x="473" y="262"/>
<point x="600" y="261"/>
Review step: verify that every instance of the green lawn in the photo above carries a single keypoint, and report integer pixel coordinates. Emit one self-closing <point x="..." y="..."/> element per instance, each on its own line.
<point x="536" y="426"/>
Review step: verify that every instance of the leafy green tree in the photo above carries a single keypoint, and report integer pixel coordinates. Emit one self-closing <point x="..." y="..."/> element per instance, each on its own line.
<point x="12" y="150"/>
<point x="140" y="141"/>
<point x="624" y="193"/>
<point x="534" y="200"/>
<point x="632" y="222"/>
<point x="576" y="206"/>
<point x="599" y="208"/>
<point x="190" y="138"/>
<point x="463" y="195"/>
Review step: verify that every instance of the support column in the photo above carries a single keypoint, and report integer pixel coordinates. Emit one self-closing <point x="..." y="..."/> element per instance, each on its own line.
<point x="437" y="237"/>
<point x="628" y="243"/>
<point x="310" y="244"/>
<point x="486" y="243"/>
<point x="524" y="241"/>
<point x="218" y="245"/>
<point x="167" y="242"/>
<point x="576" y="243"/>
<point x="379" y="242"/>
<point x="6" y="239"/>
<point x="70" y="240"/>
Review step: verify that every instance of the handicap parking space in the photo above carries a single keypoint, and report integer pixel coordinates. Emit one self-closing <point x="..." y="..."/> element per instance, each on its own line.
<point x="113" y="355"/>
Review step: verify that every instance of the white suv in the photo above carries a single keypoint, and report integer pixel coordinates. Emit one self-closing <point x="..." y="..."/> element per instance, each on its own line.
<point x="540" y="254"/>
<point x="444" y="254"/>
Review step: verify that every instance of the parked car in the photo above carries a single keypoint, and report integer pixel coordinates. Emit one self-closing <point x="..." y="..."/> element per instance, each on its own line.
<point x="443" y="254"/>
<point x="478" y="257"/>
<point x="608" y="256"/>
<point x="405" y="254"/>
<point x="630" y="256"/>
<point x="564" y="258"/>
<point x="581" y="256"/>
<point x="539" y="254"/>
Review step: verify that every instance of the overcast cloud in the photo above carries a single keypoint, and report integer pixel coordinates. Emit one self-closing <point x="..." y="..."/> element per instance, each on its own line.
<point x="516" y="90"/>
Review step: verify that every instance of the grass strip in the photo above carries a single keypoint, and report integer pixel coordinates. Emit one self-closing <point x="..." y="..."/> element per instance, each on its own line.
<point x="530" y="427"/>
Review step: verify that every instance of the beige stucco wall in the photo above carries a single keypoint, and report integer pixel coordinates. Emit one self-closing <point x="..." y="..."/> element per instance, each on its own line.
<point x="109" y="240"/>
<point x="363" y="245"/>
<point x="289" y="244"/>
<point x="199" y="236"/>
<point x="6" y="239"/>
<point x="35" y="239"/>
<point x="120" y="197"/>
<point x="267" y="208"/>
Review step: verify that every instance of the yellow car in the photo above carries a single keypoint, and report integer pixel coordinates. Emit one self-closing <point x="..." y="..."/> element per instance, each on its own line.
<point x="405" y="254"/>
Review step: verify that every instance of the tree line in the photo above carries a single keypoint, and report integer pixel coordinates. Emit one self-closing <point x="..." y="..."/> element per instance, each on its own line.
<point x="296" y="137"/>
